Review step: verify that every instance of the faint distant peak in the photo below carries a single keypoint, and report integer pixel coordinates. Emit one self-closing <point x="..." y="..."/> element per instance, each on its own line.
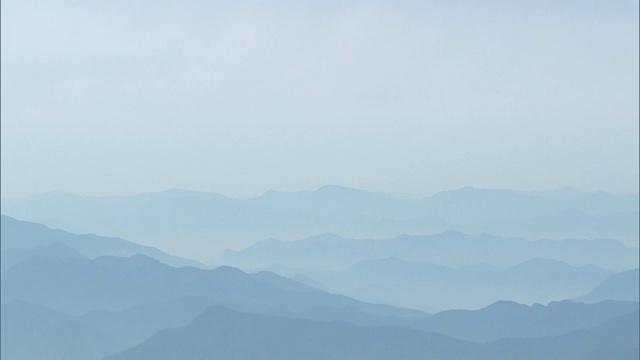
<point x="452" y="233"/>
<point x="502" y="304"/>
<point x="228" y="270"/>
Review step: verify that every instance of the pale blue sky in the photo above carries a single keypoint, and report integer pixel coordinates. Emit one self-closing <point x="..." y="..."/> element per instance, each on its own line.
<point x="120" y="97"/>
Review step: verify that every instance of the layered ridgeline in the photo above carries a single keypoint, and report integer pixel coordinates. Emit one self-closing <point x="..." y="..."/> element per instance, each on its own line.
<point x="622" y="286"/>
<point x="62" y="298"/>
<point x="220" y="333"/>
<point x="21" y="240"/>
<point x="444" y="271"/>
<point x="450" y="248"/>
<point x="201" y="225"/>
<point x="429" y="287"/>
<point x="35" y="332"/>
<point x="77" y="285"/>
<point x="112" y="304"/>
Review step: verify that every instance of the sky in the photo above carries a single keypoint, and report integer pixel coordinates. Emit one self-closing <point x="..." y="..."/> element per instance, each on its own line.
<point x="240" y="97"/>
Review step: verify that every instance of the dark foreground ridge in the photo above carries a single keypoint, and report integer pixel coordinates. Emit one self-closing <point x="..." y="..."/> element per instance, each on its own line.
<point x="220" y="333"/>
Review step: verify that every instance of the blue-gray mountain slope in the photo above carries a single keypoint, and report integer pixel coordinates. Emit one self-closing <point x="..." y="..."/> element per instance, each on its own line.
<point x="621" y="286"/>
<point x="34" y="332"/>
<point x="77" y="286"/>
<point x="451" y="248"/>
<point x="615" y="339"/>
<point x="221" y="333"/>
<point x="427" y="286"/>
<point x="22" y="239"/>
<point x="505" y="319"/>
<point x="211" y="222"/>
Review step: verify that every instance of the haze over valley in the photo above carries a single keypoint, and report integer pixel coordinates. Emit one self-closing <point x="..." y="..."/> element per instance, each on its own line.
<point x="250" y="180"/>
<point x="448" y="294"/>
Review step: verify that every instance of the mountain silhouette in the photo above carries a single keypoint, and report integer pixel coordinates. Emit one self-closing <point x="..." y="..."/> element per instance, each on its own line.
<point x="504" y="319"/>
<point x="211" y="222"/>
<point x="615" y="339"/>
<point x="76" y="286"/>
<point x="24" y="236"/>
<point x="11" y="257"/>
<point x="451" y="248"/>
<point x="428" y="286"/>
<point x="220" y="333"/>
<point x="35" y="332"/>
<point x="621" y="286"/>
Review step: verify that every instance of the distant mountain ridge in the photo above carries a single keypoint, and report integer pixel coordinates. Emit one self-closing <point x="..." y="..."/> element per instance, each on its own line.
<point x="621" y="286"/>
<point x="69" y="296"/>
<point x="12" y="257"/>
<point x="211" y="222"/>
<point x="451" y="248"/>
<point x="76" y="286"/>
<point x="23" y="238"/>
<point x="428" y="286"/>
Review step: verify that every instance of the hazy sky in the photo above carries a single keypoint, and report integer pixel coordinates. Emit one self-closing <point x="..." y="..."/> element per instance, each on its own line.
<point x="120" y="97"/>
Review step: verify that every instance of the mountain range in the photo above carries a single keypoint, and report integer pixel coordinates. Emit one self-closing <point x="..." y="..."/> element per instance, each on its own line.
<point x="77" y="286"/>
<point x="211" y="223"/>
<point x="427" y="286"/>
<point x="451" y="248"/>
<point x="21" y="240"/>
<point x="36" y="332"/>
<point x="621" y="286"/>
<point x="220" y="333"/>
<point x="85" y="296"/>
